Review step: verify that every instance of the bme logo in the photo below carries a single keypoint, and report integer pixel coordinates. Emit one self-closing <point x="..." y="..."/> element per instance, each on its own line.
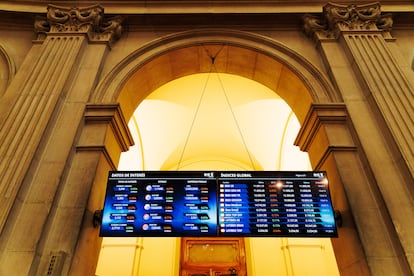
<point x="209" y="174"/>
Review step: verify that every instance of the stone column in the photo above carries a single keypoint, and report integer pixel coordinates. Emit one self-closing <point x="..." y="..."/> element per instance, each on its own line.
<point x="366" y="242"/>
<point x="41" y="113"/>
<point x="380" y="101"/>
<point x="70" y="233"/>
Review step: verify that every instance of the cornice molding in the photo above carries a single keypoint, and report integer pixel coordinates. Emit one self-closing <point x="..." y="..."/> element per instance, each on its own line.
<point x="112" y="115"/>
<point x="198" y="6"/>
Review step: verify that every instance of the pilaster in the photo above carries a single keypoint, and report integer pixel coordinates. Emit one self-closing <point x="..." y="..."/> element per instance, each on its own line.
<point x="104" y="135"/>
<point x="29" y="115"/>
<point x="380" y="101"/>
<point x="364" y="32"/>
<point x="43" y="108"/>
<point x="367" y="243"/>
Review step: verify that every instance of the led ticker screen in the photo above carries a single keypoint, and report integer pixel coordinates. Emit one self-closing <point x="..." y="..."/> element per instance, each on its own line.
<point x="211" y="203"/>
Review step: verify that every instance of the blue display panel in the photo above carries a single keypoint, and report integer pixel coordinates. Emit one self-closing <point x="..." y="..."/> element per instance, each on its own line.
<point x="160" y="204"/>
<point x="210" y="203"/>
<point x="288" y="204"/>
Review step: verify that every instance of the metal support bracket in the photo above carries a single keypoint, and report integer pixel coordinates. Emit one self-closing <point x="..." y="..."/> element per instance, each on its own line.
<point x="97" y="218"/>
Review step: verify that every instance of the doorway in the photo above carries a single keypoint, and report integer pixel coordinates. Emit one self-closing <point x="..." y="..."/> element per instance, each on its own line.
<point x="212" y="257"/>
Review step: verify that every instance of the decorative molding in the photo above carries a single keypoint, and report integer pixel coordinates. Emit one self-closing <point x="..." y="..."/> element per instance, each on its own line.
<point x="112" y="115"/>
<point x="112" y="118"/>
<point x="318" y="120"/>
<point x="89" y="20"/>
<point x="101" y="149"/>
<point x="347" y="18"/>
<point x="319" y="115"/>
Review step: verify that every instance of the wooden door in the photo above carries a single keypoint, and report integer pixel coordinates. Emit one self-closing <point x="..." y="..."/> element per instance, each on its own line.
<point x="213" y="257"/>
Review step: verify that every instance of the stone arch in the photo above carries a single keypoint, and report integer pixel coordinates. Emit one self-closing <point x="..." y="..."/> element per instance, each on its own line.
<point x="257" y="57"/>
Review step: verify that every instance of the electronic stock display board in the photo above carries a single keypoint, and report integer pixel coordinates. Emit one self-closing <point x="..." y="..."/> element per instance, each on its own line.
<point x="218" y="203"/>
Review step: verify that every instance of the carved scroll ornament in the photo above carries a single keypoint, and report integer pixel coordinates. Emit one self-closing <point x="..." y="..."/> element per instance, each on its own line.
<point x="89" y="20"/>
<point x="337" y="18"/>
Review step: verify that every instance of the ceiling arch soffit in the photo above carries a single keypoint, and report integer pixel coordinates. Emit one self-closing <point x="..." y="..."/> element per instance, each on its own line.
<point x="241" y="53"/>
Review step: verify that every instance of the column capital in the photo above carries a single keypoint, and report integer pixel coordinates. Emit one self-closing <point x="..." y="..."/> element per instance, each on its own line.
<point x="337" y="19"/>
<point x="88" y="21"/>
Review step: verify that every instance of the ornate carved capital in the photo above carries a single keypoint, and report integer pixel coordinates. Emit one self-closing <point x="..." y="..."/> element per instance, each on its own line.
<point x="341" y="18"/>
<point x="89" y="20"/>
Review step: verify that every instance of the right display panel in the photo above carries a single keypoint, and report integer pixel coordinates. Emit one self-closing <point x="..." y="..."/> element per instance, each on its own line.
<point x="275" y="203"/>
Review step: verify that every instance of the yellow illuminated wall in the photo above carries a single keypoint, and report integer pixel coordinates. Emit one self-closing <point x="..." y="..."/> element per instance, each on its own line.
<point x="215" y="122"/>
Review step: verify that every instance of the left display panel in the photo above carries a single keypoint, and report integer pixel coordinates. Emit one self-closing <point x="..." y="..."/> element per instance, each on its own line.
<point x="154" y="203"/>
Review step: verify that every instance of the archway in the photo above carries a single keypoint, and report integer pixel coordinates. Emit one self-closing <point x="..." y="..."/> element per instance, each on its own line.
<point x="248" y="55"/>
<point x="251" y="56"/>
<point x="171" y="135"/>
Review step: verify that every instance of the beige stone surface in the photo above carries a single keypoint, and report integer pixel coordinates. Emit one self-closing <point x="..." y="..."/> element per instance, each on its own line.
<point x="63" y="117"/>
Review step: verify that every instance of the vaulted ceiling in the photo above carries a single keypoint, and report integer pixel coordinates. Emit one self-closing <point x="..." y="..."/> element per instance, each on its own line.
<point x="214" y="121"/>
